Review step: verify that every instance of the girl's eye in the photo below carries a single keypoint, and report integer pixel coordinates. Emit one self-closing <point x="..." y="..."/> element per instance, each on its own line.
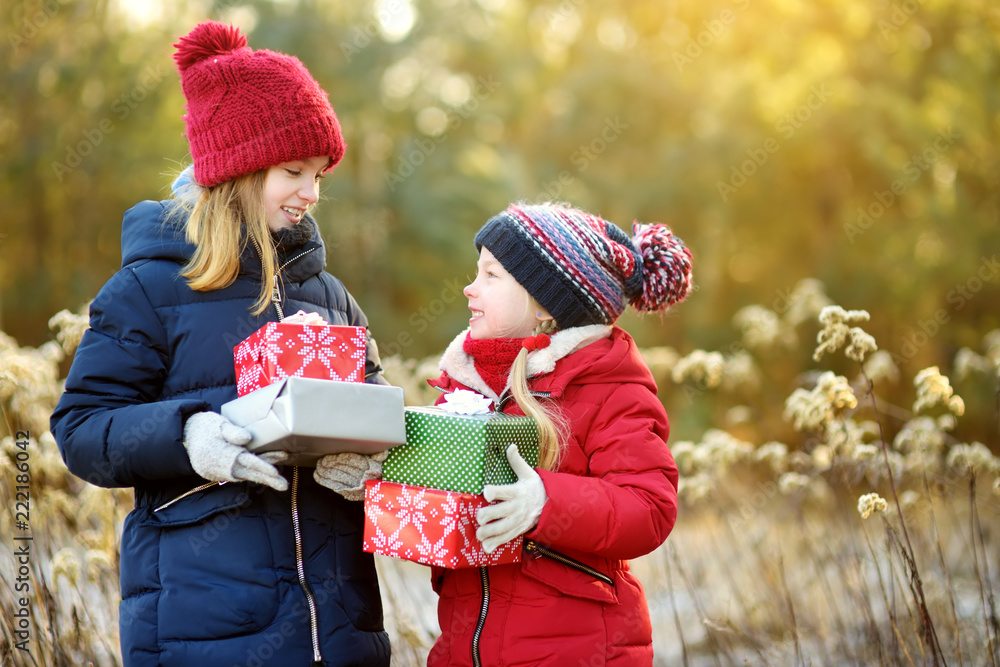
<point x="293" y="172"/>
<point x="320" y="177"/>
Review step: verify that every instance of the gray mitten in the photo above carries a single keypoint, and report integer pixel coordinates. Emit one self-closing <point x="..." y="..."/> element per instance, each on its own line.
<point x="217" y="451"/>
<point x="347" y="472"/>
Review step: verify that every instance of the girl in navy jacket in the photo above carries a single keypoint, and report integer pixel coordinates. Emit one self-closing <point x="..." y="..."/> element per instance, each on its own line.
<point x="226" y="558"/>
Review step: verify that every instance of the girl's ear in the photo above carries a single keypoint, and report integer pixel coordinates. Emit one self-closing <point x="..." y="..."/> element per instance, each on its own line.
<point x="542" y="315"/>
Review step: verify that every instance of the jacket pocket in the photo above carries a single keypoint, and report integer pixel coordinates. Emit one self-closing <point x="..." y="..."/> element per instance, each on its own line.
<point x="537" y="549"/>
<point x="567" y="580"/>
<point x="216" y="569"/>
<point x="352" y="577"/>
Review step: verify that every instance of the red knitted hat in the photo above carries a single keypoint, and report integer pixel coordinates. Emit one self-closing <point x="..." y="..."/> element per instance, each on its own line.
<point x="249" y="110"/>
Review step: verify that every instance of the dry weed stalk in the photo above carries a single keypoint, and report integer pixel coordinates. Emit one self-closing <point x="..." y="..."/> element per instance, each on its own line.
<point x="677" y="617"/>
<point x="767" y="603"/>
<point x="834" y="334"/>
<point x="791" y="610"/>
<point x="712" y="636"/>
<point x="944" y="568"/>
<point x="985" y="591"/>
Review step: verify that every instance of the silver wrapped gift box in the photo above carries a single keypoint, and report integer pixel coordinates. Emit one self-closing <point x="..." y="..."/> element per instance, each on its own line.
<point x="310" y="418"/>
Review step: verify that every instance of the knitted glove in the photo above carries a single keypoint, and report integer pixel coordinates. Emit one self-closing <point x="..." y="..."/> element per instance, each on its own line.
<point x="347" y="472"/>
<point x="275" y="458"/>
<point x="519" y="508"/>
<point x="216" y="448"/>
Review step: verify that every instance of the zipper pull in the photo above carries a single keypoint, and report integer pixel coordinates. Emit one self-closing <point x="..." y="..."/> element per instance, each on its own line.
<point x="532" y="548"/>
<point x="275" y="292"/>
<point x="276" y="299"/>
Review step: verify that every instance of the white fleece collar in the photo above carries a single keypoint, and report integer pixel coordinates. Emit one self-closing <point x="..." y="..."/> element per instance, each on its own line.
<point x="458" y="363"/>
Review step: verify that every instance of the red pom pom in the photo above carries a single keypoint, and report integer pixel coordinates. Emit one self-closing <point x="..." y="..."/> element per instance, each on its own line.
<point x="207" y="40"/>
<point x="539" y="342"/>
<point x="666" y="267"/>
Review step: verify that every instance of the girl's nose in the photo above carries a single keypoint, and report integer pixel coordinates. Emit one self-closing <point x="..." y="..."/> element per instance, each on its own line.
<point x="468" y="291"/>
<point x="310" y="192"/>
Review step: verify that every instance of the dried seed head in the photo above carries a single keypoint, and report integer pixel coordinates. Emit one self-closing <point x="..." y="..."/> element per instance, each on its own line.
<point x="695" y="489"/>
<point x="975" y="458"/>
<point x="933" y="389"/>
<point x="703" y="367"/>
<point x="66" y="563"/>
<point x="968" y="363"/>
<point x="684" y="457"/>
<point x="835" y="332"/>
<point x="920" y="434"/>
<point x="806" y="301"/>
<point x="774" y="455"/>
<point x="792" y="482"/>
<point x="861" y="344"/>
<point x="909" y="499"/>
<point x="822" y="457"/>
<point x="881" y="368"/>
<point x="812" y="410"/>
<point x="98" y="564"/>
<point x="761" y="327"/>
<point x="69" y="328"/>
<point x="871" y="502"/>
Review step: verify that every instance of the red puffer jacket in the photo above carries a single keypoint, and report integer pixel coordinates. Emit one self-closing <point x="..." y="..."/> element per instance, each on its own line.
<point x="614" y="497"/>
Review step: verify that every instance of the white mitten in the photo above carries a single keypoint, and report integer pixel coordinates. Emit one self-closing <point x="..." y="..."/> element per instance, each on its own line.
<point x="216" y="448"/>
<point x="519" y="508"/>
<point x="347" y="472"/>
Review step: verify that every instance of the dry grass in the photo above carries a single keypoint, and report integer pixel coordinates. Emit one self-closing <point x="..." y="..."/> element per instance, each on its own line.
<point x="771" y="562"/>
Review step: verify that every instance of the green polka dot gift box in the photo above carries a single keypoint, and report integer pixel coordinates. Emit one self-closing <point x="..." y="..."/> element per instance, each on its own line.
<point x="456" y="452"/>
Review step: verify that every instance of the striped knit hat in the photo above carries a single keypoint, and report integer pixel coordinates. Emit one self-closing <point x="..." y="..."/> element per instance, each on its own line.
<point x="583" y="269"/>
<point x="249" y="110"/>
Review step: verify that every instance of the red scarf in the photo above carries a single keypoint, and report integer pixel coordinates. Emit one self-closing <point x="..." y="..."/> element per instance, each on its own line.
<point x="493" y="358"/>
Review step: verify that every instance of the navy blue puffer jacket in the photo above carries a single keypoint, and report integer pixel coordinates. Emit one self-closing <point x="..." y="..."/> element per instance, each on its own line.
<point x="215" y="578"/>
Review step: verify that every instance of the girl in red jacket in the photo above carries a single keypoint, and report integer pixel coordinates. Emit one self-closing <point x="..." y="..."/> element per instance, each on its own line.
<point x="550" y="283"/>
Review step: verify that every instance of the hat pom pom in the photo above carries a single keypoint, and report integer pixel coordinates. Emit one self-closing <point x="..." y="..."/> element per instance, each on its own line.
<point x="206" y="40"/>
<point x="666" y="267"/>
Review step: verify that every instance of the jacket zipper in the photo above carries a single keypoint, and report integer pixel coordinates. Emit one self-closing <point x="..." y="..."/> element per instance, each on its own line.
<point x="484" y="579"/>
<point x="508" y="395"/>
<point x="187" y="493"/>
<point x="275" y="286"/>
<point x="537" y="550"/>
<point x="300" y="565"/>
<point x="301" y="568"/>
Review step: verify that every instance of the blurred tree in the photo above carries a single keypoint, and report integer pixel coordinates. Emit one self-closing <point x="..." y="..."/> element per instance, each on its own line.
<point x="851" y="141"/>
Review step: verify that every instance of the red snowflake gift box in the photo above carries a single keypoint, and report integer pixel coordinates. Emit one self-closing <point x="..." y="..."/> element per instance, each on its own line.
<point x="279" y="350"/>
<point x="428" y="526"/>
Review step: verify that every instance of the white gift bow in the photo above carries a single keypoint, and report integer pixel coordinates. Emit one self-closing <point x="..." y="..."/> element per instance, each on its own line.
<point x="302" y="317"/>
<point x="465" y="402"/>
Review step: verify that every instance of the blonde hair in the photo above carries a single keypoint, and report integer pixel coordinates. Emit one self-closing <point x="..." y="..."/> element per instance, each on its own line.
<point x="549" y="422"/>
<point x="214" y="226"/>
